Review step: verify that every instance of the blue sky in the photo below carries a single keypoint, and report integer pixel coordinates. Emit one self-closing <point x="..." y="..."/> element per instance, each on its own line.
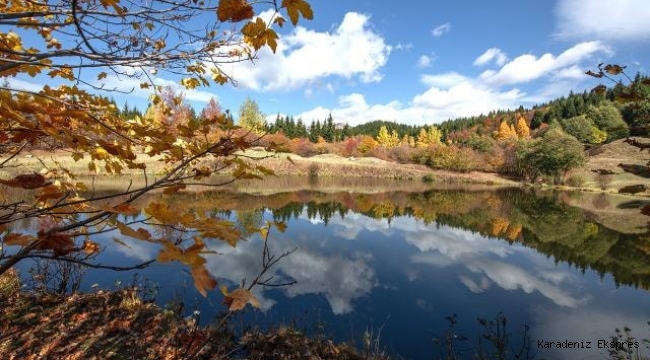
<point x="422" y="62"/>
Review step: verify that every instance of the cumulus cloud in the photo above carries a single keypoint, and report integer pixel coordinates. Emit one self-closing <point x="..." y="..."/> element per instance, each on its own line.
<point x="351" y="51"/>
<point x="441" y="29"/>
<point x="528" y="67"/>
<point x="495" y="54"/>
<point x="340" y="279"/>
<point x="623" y="20"/>
<point x="451" y="95"/>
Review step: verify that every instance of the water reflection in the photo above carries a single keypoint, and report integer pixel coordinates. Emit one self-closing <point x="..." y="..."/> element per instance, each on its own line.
<point x="412" y="258"/>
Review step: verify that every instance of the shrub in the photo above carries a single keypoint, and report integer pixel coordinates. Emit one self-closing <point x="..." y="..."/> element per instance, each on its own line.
<point x="379" y="152"/>
<point x="552" y="155"/>
<point x="401" y="154"/>
<point x="302" y="147"/>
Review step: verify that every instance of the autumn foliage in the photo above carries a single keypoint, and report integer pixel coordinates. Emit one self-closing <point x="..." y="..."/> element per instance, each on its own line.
<point x="78" y="47"/>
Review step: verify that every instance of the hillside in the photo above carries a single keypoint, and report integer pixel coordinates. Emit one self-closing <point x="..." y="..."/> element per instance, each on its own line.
<point x="621" y="160"/>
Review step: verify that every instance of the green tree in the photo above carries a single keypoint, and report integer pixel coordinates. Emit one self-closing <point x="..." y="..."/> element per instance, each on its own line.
<point x="552" y="155"/>
<point x="580" y="127"/>
<point x="251" y="118"/>
<point x="607" y="118"/>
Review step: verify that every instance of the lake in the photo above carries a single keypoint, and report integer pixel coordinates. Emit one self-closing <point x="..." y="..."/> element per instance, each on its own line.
<point x="404" y="261"/>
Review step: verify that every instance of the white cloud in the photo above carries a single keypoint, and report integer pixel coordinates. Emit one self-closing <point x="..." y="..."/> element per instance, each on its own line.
<point x="451" y="95"/>
<point x="526" y="68"/>
<point x="441" y="29"/>
<point x="424" y="61"/>
<point x="340" y="279"/>
<point x="622" y="20"/>
<point x="352" y="51"/>
<point x="495" y="54"/>
<point x="406" y="47"/>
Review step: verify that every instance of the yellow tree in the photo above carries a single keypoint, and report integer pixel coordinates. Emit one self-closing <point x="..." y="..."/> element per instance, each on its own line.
<point x="431" y="137"/>
<point x="522" y="129"/>
<point x="387" y="140"/>
<point x="505" y="132"/>
<point x="80" y="47"/>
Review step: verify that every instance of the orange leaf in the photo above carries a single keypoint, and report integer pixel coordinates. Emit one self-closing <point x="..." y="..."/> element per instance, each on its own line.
<point x="234" y="10"/>
<point x="238" y="299"/>
<point x="173" y="189"/>
<point x="141" y="234"/>
<point x="126" y="209"/>
<point x="18" y="239"/>
<point x="90" y="247"/>
<point x="27" y="181"/>
<point x="162" y="213"/>
<point x="49" y="192"/>
<point x="203" y="281"/>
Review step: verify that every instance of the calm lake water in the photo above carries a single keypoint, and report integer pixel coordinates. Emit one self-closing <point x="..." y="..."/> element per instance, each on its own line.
<point x="399" y="263"/>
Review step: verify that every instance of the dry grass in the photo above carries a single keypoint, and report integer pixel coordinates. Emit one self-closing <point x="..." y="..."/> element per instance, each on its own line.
<point x="608" y="157"/>
<point x="327" y="165"/>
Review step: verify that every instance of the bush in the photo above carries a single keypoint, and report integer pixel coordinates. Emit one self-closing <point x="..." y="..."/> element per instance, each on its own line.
<point x="552" y="155"/>
<point x="302" y="147"/>
<point x="401" y="154"/>
<point x="446" y="157"/>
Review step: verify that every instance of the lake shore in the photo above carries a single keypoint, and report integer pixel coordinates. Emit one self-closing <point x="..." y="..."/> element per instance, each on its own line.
<point x="333" y="166"/>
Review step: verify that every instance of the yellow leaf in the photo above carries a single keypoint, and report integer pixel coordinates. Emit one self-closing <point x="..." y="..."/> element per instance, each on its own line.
<point x="271" y="38"/>
<point x="238" y="299"/>
<point x="162" y="213"/>
<point x="295" y="8"/>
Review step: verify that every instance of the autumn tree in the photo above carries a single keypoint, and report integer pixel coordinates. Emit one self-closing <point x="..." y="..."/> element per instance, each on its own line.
<point x="426" y="137"/>
<point x="251" y="117"/>
<point x="212" y="110"/>
<point x="171" y="112"/>
<point x="521" y="128"/>
<point x="80" y="48"/>
<point x="387" y="140"/>
<point x="506" y="132"/>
